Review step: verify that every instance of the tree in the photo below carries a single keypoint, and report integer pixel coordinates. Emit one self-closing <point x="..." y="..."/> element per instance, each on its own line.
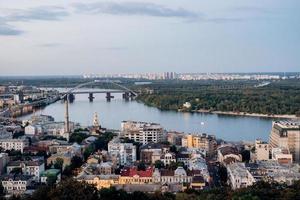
<point x="88" y="151"/>
<point x="51" y="179"/>
<point x="77" y="137"/>
<point x="141" y="166"/>
<point x="59" y="162"/>
<point x="223" y="174"/>
<point x="76" y="162"/>
<point x="72" y="189"/>
<point x="159" y="164"/>
<point x="245" y="155"/>
<point x="16" y="170"/>
<point x="173" y="149"/>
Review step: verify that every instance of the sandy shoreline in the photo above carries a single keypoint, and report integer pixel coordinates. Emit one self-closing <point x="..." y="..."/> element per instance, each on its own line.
<point x="246" y="114"/>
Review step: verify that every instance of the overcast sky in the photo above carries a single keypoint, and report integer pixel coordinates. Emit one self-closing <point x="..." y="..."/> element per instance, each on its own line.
<point x="58" y="37"/>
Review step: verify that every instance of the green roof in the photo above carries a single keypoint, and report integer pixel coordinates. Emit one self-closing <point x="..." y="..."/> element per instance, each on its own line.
<point x="50" y="172"/>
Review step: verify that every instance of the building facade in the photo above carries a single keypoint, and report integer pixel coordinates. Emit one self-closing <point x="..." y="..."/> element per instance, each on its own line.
<point x="143" y="132"/>
<point x="286" y="134"/>
<point x="262" y="150"/>
<point x="122" y="153"/>
<point x="200" y="141"/>
<point x="13" y="144"/>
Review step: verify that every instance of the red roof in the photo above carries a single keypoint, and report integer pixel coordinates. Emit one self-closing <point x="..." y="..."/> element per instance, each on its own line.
<point x="127" y="171"/>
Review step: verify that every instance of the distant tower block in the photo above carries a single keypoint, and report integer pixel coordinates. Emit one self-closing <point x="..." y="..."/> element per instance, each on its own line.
<point x="96" y="123"/>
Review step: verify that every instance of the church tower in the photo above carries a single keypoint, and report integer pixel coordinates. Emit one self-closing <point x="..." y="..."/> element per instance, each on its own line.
<point x="96" y="123"/>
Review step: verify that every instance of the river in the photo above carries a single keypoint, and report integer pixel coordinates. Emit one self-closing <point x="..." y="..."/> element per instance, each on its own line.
<point x="232" y="128"/>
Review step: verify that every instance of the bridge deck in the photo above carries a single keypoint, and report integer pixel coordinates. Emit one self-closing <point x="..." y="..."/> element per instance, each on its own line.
<point x="95" y="92"/>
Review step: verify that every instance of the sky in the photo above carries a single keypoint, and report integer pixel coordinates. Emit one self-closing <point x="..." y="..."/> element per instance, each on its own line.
<point x="58" y="37"/>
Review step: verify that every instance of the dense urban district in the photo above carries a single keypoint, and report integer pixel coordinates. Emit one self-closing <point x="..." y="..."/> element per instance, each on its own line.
<point x="46" y="159"/>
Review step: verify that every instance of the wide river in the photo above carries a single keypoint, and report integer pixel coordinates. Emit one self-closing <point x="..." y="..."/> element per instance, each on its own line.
<point x="232" y="128"/>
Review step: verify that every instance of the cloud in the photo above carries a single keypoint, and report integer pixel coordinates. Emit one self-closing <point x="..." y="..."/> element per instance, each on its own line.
<point x="252" y="9"/>
<point x="220" y="20"/>
<point x="133" y="8"/>
<point x="46" y="13"/>
<point x="7" y="30"/>
<point x="49" y="45"/>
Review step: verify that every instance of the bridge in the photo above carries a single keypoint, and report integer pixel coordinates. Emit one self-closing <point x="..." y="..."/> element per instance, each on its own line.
<point x="67" y="96"/>
<point x="71" y="95"/>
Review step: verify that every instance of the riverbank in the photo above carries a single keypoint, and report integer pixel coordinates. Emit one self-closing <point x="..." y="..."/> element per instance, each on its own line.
<point x="245" y="114"/>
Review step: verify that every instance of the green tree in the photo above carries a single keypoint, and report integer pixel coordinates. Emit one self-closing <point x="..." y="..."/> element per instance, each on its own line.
<point x="59" y="162"/>
<point x="159" y="164"/>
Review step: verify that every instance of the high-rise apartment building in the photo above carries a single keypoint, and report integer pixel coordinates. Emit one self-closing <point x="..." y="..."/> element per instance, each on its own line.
<point x="143" y="132"/>
<point x="286" y="134"/>
<point x="262" y="150"/>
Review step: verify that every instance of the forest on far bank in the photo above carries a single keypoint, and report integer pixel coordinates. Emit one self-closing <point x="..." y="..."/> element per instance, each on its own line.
<point x="278" y="98"/>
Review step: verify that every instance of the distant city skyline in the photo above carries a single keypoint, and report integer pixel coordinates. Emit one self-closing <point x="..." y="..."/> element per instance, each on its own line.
<point x="52" y="37"/>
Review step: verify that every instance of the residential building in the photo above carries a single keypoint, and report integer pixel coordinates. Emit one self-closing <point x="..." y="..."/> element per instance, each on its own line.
<point x="166" y="176"/>
<point x="175" y="138"/>
<point x="3" y="162"/>
<point x="33" y="168"/>
<point x="106" y="168"/>
<point x="262" y="150"/>
<point x="273" y="171"/>
<point x="183" y="157"/>
<point x="15" y="184"/>
<point x="143" y="132"/>
<point x="38" y="119"/>
<point x="282" y="156"/>
<point x="122" y="153"/>
<point x="13" y="144"/>
<point x="228" y="155"/>
<point x="198" y="182"/>
<point x="66" y="157"/>
<point x="239" y="176"/>
<point x="286" y="134"/>
<point x="198" y="163"/>
<point x="130" y="175"/>
<point x="168" y="158"/>
<point x="151" y="152"/>
<point x="200" y="141"/>
<point x="33" y="130"/>
<point x="100" y="181"/>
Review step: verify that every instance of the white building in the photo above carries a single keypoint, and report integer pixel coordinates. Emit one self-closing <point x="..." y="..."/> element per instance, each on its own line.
<point x="239" y="176"/>
<point x="143" y="132"/>
<point x="33" y="130"/>
<point x="165" y="176"/>
<point x="168" y="158"/>
<point x="32" y="168"/>
<point x="228" y="155"/>
<point x="122" y="153"/>
<point x="15" y="185"/>
<point x="187" y="105"/>
<point x="197" y="162"/>
<point x="286" y="134"/>
<point x="262" y="150"/>
<point x="282" y="156"/>
<point x="13" y="144"/>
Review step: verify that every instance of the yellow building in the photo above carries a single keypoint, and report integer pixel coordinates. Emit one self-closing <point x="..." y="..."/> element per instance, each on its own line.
<point x="100" y="181"/>
<point x="201" y="141"/>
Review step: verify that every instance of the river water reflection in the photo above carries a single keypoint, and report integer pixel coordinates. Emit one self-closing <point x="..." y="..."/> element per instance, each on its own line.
<point x="233" y="128"/>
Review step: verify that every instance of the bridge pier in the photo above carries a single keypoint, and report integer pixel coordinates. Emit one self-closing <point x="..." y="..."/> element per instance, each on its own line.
<point x="108" y="96"/>
<point x="69" y="97"/>
<point x="126" y="96"/>
<point x="91" y="97"/>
